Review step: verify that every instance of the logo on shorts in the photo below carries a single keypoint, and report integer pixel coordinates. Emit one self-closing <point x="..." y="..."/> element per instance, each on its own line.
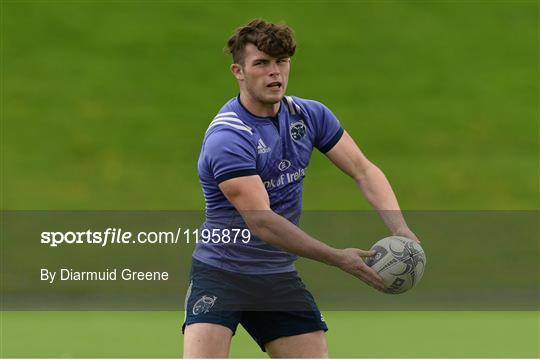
<point x="204" y="304"/>
<point x="297" y="130"/>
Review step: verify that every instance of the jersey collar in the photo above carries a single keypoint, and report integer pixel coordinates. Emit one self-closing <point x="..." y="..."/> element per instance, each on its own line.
<point x="255" y="117"/>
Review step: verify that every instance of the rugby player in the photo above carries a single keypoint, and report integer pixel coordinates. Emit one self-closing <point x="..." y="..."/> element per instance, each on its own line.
<point x="251" y="168"/>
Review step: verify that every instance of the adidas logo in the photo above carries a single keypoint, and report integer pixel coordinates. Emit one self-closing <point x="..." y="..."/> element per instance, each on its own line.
<point x="262" y="148"/>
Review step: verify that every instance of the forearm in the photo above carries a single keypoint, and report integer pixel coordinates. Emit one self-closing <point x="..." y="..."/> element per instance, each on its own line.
<point x="378" y="192"/>
<point x="281" y="233"/>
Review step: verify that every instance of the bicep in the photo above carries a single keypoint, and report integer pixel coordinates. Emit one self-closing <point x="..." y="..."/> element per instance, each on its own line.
<point x="347" y="156"/>
<point x="246" y="193"/>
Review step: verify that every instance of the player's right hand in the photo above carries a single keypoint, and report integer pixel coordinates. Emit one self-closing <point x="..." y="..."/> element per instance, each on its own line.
<point x="351" y="262"/>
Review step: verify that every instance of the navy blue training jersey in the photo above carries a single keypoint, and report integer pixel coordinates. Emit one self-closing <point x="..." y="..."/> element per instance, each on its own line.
<point x="278" y="149"/>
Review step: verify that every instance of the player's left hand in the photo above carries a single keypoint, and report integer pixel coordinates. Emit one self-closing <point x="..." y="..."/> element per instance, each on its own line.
<point x="408" y="234"/>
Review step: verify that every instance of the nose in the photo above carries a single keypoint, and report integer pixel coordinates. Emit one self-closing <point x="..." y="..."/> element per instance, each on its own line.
<point x="274" y="69"/>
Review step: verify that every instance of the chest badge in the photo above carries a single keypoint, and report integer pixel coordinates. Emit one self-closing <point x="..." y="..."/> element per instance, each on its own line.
<point x="297" y="130"/>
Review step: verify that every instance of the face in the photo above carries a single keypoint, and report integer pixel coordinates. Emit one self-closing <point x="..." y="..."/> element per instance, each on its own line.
<point x="262" y="76"/>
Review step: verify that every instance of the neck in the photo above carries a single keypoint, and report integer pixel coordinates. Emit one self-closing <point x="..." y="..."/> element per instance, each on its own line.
<point x="257" y="108"/>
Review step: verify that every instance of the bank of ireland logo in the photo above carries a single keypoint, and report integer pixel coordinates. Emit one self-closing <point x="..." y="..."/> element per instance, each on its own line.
<point x="284" y="165"/>
<point x="204" y="304"/>
<point x="297" y="130"/>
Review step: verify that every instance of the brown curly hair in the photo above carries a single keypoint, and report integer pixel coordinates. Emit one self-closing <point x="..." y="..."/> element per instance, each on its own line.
<point x="277" y="40"/>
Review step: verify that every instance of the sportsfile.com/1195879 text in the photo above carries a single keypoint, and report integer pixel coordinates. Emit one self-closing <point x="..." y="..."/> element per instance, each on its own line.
<point x="118" y="236"/>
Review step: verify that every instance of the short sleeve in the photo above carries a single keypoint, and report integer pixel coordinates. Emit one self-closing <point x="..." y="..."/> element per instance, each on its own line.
<point x="328" y="130"/>
<point x="229" y="154"/>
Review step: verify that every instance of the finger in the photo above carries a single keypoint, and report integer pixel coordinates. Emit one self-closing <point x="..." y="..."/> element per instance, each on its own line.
<point x="365" y="279"/>
<point x="376" y="284"/>
<point x="373" y="277"/>
<point x="366" y="253"/>
<point x="366" y="269"/>
<point x="377" y="279"/>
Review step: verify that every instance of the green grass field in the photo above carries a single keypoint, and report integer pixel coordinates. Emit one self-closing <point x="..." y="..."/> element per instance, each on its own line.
<point x="104" y="105"/>
<point x="352" y="334"/>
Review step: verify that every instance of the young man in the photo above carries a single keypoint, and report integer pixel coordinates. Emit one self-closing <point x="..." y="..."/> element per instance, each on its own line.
<point x="251" y="167"/>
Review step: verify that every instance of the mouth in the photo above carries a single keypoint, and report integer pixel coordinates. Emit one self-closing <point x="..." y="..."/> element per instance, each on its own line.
<point x="275" y="85"/>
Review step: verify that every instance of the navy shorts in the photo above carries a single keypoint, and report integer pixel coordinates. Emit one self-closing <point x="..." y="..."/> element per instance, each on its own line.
<point x="267" y="306"/>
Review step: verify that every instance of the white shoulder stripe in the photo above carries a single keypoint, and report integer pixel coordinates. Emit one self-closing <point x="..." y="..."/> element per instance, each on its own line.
<point x="230" y="119"/>
<point x="293" y="108"/>
<point x="230" y="113"/>
<point x="289" y="104"/>
<point x="239" y="127"/>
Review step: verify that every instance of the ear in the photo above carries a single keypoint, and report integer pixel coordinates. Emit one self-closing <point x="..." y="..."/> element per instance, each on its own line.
<point x="237" y="71"/>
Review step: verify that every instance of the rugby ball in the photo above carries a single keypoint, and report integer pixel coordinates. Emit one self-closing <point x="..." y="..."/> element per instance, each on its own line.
<point x="400" y="262"/>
